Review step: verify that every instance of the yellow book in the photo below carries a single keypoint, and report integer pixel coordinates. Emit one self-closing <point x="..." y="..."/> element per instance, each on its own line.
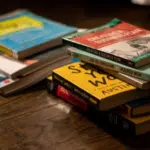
<point x="136" y="108"/>
<point x="141" y="124"/>
<point x="96" y="86"/>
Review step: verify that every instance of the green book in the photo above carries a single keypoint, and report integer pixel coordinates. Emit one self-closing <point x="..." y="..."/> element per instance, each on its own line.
<point x="141" y="73"/>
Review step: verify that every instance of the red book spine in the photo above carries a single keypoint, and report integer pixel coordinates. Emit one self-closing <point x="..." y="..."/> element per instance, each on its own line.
<point x="71" y="98"/>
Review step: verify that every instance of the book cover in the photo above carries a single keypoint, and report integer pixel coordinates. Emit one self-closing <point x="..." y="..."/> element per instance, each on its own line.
<point x="142" y="73"/>
<point x="16" y="68"/>
<point x="24" y="33"/>
<point x="96" y="86"/>
<point x="75" y="59"/>
<point x="117" y="40"/>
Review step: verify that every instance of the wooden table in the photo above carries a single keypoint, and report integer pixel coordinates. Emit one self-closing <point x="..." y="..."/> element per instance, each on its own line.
<point x="35" y="120"/>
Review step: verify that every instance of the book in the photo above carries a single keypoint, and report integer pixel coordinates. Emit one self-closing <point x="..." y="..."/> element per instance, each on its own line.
<point x="96" y="86"/>
<point x="10" y="86"/>
<point x="23" y="33"/>
<point x="122" y="122"/>
<point x="75" y="59"/>
<point x="58" y="90"/>
<point x="117" y="41"/>
<point x="142" y="84"/>
<point x="135" y="108"/>
<point x="65" y="94"/>
<point x="139" y="107"/>
<point x="116" y="117"/>
<point x="16" y="68"/>
<point x="142" y="72"/>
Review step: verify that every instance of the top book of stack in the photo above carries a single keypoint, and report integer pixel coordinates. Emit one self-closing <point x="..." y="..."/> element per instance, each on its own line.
<point x="117" y="40"/>
<point x="23" y="33"/>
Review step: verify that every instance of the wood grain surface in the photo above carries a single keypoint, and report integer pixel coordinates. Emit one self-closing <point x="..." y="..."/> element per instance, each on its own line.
<point x="35" y="120"/>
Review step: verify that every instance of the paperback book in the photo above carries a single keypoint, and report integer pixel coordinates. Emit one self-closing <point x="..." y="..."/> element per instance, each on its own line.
<point x="120" y="117"/>
<point x="96" y="86"/>
<point x="142" y="73"/>
<point x="117" y="41"/>
<point x="10" y="86"/>
<point x="23" y="33"/>
<point x="16" y="68"/>
<point x="65" y="94"/>
<point x="136" y="108"/>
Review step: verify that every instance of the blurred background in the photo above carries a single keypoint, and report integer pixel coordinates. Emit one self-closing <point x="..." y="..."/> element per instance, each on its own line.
<point x="83" y="13"/>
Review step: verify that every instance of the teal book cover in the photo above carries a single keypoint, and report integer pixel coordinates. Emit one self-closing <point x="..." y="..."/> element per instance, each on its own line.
<point x="141" y="73"/>
<point x="23" y="30"/>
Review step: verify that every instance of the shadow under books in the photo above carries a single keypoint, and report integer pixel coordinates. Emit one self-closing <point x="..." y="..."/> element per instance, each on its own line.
<point x="126" y="138"/>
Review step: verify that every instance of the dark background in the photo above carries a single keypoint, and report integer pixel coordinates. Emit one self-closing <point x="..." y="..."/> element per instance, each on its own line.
<point x="83" y="13"/>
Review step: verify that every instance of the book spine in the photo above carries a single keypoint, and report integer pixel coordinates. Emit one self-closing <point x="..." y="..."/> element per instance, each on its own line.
<point x="58" y="90"/>
<point x="6" y="51"/>
<point x="117" y="121"/>
<point x="71" y="98"/>
<point x="74" y="89"/>
<point x="109" y="65"/>
<point x="50" y="86"/>
<point x="100" y="53"/>
<point x="67" y="95"/>
<point x="127" y="110"/>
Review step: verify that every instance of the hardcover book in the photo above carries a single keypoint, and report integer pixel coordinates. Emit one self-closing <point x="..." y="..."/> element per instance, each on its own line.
<point x="23" y="33"/>
<point x="96" y="86"/>
<point x="117" y="40"/>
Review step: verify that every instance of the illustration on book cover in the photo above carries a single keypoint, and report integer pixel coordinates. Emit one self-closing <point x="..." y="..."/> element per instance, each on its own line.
<point x="132" y="48"/>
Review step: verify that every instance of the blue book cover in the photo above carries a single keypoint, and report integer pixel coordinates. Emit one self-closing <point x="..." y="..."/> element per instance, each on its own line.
<point x="139" y="102"/>
<point x="75" y="60"/>
<point x="24" y="30"/>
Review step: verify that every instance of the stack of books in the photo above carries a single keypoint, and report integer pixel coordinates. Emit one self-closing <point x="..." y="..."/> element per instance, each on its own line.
<point x="30" y="46"/>
<point x="112" y="77"/>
